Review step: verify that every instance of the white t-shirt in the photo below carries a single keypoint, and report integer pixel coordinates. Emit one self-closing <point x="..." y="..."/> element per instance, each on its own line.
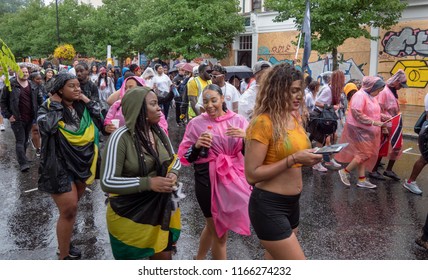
<point x="426" y="102"/>
<point x="324" y="96"/>
<point x="94" y="78"/>
<point x="309" y="100"/>
<point x="230" y="93"/>
<point x="248" y="100"/>
<point x="162" y="82"/>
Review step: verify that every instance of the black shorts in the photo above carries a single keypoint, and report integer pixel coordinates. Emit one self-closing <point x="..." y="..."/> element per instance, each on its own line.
<point x="203" y="188"/>
<point x="273" y="216"/>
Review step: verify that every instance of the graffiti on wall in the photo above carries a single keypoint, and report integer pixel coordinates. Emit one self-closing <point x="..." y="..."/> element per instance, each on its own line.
<point x="349" y="67"/>
<point x="416" y="72"/>
<point x="407" y="42"/>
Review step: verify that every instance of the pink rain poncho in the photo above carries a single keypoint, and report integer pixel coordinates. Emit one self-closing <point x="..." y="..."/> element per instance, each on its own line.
<point x="230" y="191"/>
<point x="115" y="111"/>
<point x="362" y="136"/>
<point x="389" y="107"/>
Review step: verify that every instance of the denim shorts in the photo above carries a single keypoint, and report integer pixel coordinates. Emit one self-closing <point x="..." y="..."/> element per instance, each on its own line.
<point x="273" y="216"/>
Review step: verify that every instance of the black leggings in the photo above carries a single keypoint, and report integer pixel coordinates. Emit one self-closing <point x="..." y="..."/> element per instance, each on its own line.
<point x="203" y="188"/>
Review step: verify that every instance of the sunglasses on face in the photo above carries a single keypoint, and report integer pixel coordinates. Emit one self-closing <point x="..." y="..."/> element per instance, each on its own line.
<point x="216" y="76"/>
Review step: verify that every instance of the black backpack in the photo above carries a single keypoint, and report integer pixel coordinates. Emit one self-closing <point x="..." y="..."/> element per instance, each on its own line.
<point x="322" y="123"/>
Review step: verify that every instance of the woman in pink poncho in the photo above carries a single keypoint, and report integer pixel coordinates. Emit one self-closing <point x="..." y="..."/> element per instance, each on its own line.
<point x="220" y="185"/>
<point x="115" y="111"/>
<point x="392" y="140"/>
<point x="362" y="131"/>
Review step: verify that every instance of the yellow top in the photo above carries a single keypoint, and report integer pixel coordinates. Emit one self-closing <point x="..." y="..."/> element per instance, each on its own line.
<point x="295" y="140"/>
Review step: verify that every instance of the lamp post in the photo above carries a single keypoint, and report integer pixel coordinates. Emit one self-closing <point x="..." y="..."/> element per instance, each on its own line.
<point x="57" y="22"/>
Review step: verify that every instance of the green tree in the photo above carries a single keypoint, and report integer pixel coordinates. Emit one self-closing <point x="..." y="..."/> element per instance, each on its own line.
<point x="11" y="6"/>
<point x="113" y="25"/>
<point x="190" y="28"/>
<point x="19" y="29"/>
<point x="332" y="22"/>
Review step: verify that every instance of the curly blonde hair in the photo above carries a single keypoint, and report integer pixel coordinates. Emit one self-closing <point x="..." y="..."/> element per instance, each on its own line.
<point x="275" y="98"/>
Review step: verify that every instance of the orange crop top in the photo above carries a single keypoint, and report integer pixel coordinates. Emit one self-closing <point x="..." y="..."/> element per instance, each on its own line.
<point x="261" y="130"/>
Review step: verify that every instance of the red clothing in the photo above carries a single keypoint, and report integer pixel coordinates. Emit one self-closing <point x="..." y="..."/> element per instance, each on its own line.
<point x="25" y="104"/>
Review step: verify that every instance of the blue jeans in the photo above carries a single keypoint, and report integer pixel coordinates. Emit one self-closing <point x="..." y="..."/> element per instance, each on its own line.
<point x="21" y="129"/>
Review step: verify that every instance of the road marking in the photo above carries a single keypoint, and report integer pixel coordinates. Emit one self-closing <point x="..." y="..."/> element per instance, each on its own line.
<point x="406" y="151"/>
<point x="32" y="190"/>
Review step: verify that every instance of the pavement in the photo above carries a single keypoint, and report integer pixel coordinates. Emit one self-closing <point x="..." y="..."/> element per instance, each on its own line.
<point x="336" y="222"/>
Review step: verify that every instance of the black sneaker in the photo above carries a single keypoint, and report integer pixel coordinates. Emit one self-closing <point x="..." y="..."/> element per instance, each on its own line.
<point x="25" y="167"/>
<point x="68" y="258"/>
<point x="376" y="175"/>
<point x="422" y="243"/>
<point x="73" y="254"/>
<point x="391" y="174"/>
<point x="38" y="153"/>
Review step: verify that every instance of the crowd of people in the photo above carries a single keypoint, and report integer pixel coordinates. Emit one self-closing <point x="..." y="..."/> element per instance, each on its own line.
<point x="246" y="141"/>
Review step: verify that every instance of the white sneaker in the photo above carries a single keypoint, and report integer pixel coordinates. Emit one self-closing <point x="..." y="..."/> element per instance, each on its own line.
<point x="319" y="167"/>
<point x="412" y="187"/>
<point x="366" y="184"/>
<point x="345" y="177"/>
<point x="2" y="127"/>
<point x="333" y="163"/>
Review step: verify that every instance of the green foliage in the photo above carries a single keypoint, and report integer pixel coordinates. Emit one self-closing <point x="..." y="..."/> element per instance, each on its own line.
<point x="188" y="28"/>
<point x="7" y="61"/>
<point x="164" y="28"/>
<point x="332" y="22"/>
<point x="11" y="6"/>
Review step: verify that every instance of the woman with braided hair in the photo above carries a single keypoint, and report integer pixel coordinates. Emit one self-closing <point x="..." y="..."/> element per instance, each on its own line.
<point x="139" y="171"/>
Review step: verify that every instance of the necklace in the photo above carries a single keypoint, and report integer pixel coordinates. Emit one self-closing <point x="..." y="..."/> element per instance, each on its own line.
<point x="152" y="138"/>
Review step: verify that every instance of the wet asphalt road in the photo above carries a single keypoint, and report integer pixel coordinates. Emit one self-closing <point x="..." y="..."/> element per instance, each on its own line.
<point x="336" y="222"/>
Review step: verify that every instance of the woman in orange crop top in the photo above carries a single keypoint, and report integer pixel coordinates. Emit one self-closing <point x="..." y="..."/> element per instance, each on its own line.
<point x="276" y="148"/>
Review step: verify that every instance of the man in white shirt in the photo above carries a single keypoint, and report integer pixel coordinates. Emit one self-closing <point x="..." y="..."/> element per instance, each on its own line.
<point x="73" y="70"/>
<point x="162" y="83"/>
<point x="230" y="93"/>
<point x="248" y="98"/>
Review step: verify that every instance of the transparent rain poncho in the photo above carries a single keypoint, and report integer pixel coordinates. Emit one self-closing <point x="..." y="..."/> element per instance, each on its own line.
<point x="362" y="136"/>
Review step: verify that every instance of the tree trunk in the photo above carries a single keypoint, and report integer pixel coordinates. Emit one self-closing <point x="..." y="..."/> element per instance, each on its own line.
<point x="334" y="55"/>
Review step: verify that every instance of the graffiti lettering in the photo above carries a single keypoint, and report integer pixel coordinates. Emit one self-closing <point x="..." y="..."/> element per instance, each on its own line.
<point x="281" y="49"/>
<point x="416" y="72"/>
<point x="407" y="42"/>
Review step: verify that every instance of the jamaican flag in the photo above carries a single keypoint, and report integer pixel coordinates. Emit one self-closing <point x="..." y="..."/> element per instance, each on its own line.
<point x="80" y="148"/>
<point x="143" y="224"/>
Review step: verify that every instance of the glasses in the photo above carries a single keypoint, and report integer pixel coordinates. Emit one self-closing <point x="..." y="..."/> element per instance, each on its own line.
<point x="216" y="76"/>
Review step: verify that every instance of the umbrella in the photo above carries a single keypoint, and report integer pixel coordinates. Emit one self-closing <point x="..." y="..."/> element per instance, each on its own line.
<point x="31" y="66"/>
<point x="186" y="66"/>
<point x="241" y="72"/>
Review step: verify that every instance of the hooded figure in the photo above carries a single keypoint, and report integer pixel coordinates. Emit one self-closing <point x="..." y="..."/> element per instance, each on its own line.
<point x="362" y="130"/>
<point x="121" y="79"/>
<point x="392" y="138"/>
<point x="141" y="221"/>
<point x="115" y="110"/>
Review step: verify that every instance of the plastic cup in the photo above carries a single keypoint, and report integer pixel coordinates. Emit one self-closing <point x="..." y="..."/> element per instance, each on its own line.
<point x="115" y="122"/>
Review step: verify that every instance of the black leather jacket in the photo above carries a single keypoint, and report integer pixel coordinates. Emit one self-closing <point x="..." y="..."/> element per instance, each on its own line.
<point x="10" y="99"/>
